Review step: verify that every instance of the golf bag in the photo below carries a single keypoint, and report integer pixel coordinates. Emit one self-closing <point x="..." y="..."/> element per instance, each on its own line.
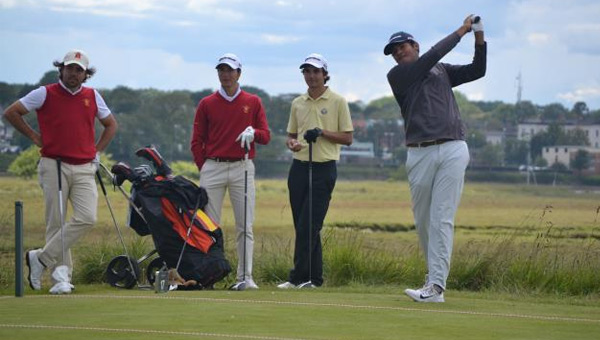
<point x="168" y="204"/>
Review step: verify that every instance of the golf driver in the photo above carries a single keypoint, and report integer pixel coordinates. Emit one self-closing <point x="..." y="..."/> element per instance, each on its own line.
<point x="112" y="214"/>
<point x="242" y="285"/>
<point x="308" y="284"/>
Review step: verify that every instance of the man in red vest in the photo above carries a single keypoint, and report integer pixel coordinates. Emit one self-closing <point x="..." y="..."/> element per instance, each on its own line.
<point x="66" y="113"/>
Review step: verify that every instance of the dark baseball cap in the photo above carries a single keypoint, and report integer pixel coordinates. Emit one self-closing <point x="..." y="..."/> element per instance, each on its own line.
<point x="397" y="38"/>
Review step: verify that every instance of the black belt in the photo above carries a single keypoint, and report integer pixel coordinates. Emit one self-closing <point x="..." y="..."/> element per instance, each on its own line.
<point x="223" y="159"/>
<point x="428" y="143"/>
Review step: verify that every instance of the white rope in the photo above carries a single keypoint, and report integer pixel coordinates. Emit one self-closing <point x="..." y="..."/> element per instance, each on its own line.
<point x="144" y="331"/>
<point x="334" y="305"/>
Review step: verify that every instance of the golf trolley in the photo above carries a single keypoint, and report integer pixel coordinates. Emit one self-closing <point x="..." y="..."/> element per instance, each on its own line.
<point x="170" y="209"/>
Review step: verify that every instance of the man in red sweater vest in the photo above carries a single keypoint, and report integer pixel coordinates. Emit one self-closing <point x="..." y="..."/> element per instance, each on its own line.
<point x="227" y="123"/>
<point x="66" y="112"/>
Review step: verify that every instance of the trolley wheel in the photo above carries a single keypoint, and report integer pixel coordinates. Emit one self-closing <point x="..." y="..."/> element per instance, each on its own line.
<point x="119" y="272"/>
<point x="154" y="265"/>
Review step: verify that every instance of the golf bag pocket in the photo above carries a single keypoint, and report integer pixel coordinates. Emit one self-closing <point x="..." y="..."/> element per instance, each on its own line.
<point x="201" y="235"/>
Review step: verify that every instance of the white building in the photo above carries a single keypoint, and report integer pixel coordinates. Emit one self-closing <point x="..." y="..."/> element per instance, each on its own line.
<point x="526" y="130"/>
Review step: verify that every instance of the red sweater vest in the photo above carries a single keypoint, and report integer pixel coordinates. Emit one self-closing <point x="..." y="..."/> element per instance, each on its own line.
<point x="67" y="124"/>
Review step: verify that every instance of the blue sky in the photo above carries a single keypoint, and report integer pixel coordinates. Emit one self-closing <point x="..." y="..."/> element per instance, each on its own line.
<point x="169" y="45"/>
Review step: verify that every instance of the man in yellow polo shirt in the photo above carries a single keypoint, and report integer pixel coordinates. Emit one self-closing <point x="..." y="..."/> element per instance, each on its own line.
<point x="322" y="118"/>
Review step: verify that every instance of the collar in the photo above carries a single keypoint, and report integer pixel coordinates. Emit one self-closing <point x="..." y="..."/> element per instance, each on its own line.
<point x="226" y="96"/>
<point x="325" y="95"/>
<point x="69" y="90"/>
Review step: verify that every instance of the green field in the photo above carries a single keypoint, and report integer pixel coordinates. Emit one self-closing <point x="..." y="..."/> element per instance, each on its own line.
<point x="526" y="266"/>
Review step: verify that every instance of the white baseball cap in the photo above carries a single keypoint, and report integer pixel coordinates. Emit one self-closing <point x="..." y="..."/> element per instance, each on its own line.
<point x="316" y="60"/>
<point x="76" y="57"/>
<point x="230" y="59"/>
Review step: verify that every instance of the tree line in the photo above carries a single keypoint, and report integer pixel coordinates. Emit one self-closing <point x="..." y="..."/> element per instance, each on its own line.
<point x="165" y="118"/>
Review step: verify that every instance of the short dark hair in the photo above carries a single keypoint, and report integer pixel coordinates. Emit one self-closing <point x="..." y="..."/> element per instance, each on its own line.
<point x="89" y="72"/>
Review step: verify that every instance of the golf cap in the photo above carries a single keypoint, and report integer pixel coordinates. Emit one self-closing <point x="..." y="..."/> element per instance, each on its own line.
<point x="230" y="59"/>
<point x="316" y="60"/>
<point x="397" y="38"/>
<point x="76" y="57"/>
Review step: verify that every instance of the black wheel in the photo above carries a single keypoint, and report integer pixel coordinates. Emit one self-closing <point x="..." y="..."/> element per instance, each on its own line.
<point x="154" y="265"/>
<point x="119" y="273"/>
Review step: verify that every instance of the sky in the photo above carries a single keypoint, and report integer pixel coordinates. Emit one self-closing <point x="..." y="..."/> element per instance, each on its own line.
<point x="173" y="45"/>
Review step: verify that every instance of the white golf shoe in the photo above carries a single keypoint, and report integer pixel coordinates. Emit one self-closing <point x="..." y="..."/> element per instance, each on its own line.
<point x="250" y="284"/>
<point x="286" y="285"/>
<point x="61" y="277"/>
<point x="36" y="268"/>
<point x="426" y="294"/>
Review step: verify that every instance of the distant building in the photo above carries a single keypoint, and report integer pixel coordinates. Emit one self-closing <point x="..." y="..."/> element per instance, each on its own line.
<point x="358" y="152"/>
<point x="495" y="137"/>
<point x="531" y="128"/>
<point x="563" y="154"/>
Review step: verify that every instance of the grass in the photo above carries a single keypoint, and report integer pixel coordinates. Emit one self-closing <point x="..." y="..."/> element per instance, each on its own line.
<point x="376" y="313"/>
<point x="526" y="265"/>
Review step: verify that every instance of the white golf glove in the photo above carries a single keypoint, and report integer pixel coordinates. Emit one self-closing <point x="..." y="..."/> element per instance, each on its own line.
<point x="246" y="137"/>
<point x="477" y="26"/>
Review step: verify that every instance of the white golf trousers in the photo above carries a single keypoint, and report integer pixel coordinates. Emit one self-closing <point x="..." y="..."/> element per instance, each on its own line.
<point x="79" y="187"/>
<point x="216" y="178"/>
<point x="436" y="178"/>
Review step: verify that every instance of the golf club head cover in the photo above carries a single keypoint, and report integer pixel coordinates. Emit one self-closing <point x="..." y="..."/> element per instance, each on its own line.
<point x="203" y="197"/>
<point x="150" y="153"/>
<point x="311" y="135"/>
<point x="122" y="172"/>
<point x="477" y="24"/>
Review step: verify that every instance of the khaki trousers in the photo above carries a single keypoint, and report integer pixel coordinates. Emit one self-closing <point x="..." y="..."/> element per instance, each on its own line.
<point x="79" y="187"/>
<point x="217" y="178"/>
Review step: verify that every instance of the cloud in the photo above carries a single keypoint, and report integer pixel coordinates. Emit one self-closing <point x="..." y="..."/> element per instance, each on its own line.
<point x="581" y="94"/>
<point x="275" y="39"/>
<point x="538" y="38"/>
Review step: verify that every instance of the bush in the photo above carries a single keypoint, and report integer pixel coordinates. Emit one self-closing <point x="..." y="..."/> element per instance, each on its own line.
<point x="25" y="165"/>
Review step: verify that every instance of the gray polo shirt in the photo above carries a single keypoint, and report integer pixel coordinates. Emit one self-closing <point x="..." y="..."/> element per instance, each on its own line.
<point x="423" y="89"/>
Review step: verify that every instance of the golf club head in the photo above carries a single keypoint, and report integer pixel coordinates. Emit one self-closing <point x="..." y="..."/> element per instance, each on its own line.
<point x="238" y="286"/>
<point x="306" y="285"/>
<point x="151" y="153"/>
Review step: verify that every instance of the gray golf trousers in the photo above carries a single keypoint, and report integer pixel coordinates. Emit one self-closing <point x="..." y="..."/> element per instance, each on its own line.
<point x="436" y="177"/>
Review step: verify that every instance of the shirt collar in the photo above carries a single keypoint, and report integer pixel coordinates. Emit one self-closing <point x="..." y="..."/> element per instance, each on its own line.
<point x="325" y="95"/>
<point x="69" y="90"/>
<point x="226" y="96"/>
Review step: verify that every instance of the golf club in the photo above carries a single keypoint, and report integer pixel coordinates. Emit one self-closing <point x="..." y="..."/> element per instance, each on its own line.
<point x="60" y="208"/>
<point x="242" y="285"/>
<point x="308" y="284"/>
<point x="133" y="271"/>
<point x="131" y="203"/>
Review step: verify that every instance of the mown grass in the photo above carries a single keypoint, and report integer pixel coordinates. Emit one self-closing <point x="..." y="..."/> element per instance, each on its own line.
<point x="514" y="239"/>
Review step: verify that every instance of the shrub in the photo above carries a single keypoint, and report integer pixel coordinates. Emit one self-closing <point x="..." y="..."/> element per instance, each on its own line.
<point x="25" y="165"/>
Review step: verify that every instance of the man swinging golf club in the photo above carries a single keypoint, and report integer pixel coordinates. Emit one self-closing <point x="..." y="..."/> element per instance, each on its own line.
<point x="435" y="137"/>
<point x="66" y="112"/>
<point x="321" y="118"/>
<point x="227" y="125"/>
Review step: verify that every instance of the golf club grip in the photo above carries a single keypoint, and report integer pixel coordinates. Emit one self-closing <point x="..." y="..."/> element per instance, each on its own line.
<point x="58" y="171"/>
<point x="476" y="19"/>
<point x="101" y="183"/>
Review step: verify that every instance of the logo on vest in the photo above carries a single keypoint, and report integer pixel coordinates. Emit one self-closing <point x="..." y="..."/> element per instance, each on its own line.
<point x="86" y="102"/>
<point x="246" y="109"/>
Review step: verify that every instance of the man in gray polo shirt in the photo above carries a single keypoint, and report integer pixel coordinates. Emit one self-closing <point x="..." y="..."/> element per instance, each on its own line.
<point x="435" y="137"/>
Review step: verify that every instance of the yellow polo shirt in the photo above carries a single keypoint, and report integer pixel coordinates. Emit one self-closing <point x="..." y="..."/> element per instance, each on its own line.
<point x="328" y="112"/>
